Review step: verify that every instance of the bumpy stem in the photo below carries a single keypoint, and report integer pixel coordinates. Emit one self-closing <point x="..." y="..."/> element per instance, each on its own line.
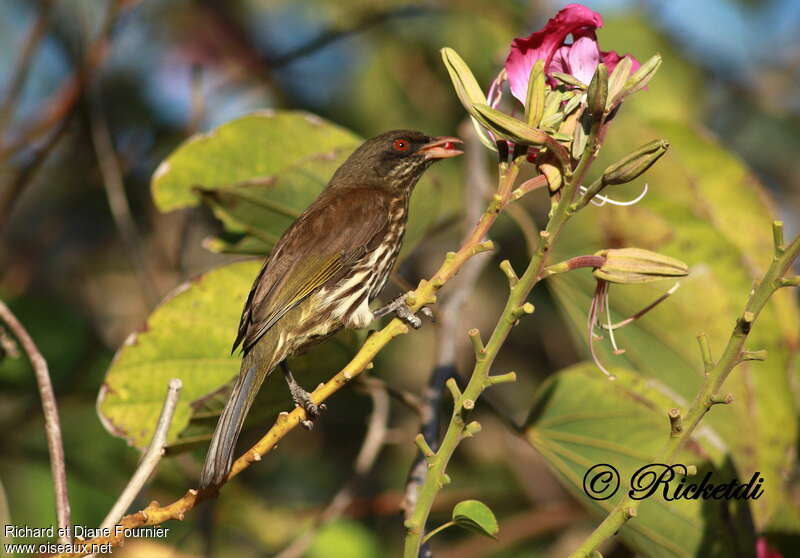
<point x="708" y="395"/>
<point x="516" y="306"/>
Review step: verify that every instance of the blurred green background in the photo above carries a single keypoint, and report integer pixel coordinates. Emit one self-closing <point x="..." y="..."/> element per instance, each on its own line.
<point x="152" y="73"/>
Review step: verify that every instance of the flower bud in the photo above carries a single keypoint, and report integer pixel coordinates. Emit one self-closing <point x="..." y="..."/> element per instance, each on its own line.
<point x="617" y="81"/>
<point x="464" y="82"/>
<point x="598" y="92"/>
<point x="534" y="107"/>
<point x="635" y="265"/>
<point x="569" y="79"/>
<point x="630" y="167"/>
<point x="552" y="174"/>
<point x="642" y="76"/>
<point x="467" y="89"/>
<point x="518" y="132"/>
<point x="508" y="127"/>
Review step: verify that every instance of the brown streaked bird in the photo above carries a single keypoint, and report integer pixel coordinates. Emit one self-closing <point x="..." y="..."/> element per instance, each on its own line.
<point x="323" y="273"/>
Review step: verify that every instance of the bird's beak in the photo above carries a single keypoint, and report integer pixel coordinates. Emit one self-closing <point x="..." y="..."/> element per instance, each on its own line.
<point x="441" y="148"/>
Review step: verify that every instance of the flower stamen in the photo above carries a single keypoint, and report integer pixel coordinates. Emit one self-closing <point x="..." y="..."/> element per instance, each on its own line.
<point x="600" y="200"/>
<point x="611" y="327"/>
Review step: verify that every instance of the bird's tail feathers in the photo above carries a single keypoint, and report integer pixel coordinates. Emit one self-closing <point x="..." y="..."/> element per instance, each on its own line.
<point x="220" y="452"/>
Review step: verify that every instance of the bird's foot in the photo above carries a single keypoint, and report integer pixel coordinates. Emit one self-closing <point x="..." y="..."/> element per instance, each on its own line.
<point x="402" y="311"/>
<point x="302" y="399"/>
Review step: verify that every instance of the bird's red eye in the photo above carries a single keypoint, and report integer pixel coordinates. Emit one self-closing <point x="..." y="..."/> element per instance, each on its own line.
<point x="401" y="145"/>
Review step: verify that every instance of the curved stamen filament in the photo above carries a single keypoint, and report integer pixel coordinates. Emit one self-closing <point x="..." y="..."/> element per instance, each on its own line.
<point x="611" y="327"/>
<point x="600" y="200"/>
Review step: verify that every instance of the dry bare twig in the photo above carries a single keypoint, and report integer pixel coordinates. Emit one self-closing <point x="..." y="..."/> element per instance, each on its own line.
<point x="52" y="425"/>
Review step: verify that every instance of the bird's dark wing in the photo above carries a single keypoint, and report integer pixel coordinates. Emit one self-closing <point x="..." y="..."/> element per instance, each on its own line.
<point x="319" y="246"/>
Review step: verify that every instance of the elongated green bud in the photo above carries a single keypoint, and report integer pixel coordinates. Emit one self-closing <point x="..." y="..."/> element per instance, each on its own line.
<point x="642" y="76"/>
<point x="534" y="107"/>
<point x="467" y="90"/>
<point x="630" y="167"/>
<point x="617" y="80"/>
<point x="520" y="133"/>
<point x="509" y="127"/>
<point x="598" y="92"/>
<point x="636" y="265"/>
<point x="464" y="82"/>
<point x="569" y="80"/>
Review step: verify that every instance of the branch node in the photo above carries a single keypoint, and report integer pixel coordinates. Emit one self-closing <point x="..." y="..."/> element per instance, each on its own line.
<point x="705" y="351"/>
<point x="520" y="311"/>
<point x="789" y="281"/>
<point x="477" y="344"/>
<point x="424" y="447"/>
<point x="501" y="378"/>
<point x="505" y="266"/>
<point x="468" y="404"/>
<point x="675" y="422"/>
<point x="629" y="512"/>
<point x="747" y="321"/>
<point x="453" y="387"/>
<point x="472" y="428"/>
<point x="485" y="246"/>
<point x="720" y="399"/>
<point x="753" y="355"/>
<point x="777" y="238"/>
<point x="445" y="480"/>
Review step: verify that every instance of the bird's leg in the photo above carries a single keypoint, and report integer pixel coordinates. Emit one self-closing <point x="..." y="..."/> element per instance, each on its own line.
<point x="401" y="309"/>
<point x="301" y="397"/>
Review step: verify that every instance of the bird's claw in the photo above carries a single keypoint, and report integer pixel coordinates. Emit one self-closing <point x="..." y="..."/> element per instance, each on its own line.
<point x="400" y="307"/>
<point x="404" y="313"/>
<point x="312" y="411"/>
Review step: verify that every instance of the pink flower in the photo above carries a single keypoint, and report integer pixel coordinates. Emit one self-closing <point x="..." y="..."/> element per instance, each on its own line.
<point x="579" y="58"/>
<point x="764" y="550"/>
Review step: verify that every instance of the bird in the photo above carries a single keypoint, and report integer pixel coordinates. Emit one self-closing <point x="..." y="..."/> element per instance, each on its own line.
<point x="323" y="272"/>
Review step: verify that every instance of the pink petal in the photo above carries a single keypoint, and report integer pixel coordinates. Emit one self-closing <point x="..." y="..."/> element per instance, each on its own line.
<point x="764" y="550"/>
<point x="560" y="61"/>
<point x="542" y="44"/>
<point x="583" y="59"/>
<point x="611" y="59"/>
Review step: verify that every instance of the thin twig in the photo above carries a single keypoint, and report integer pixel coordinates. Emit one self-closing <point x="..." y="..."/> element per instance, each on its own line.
<point x="51" y="423"/>
<point x="26" y="53"/>
<point x="374" y="440"/>
<point x="54" y="113"/>
<point x="117" y="200"/>
<point x="12" y="189"/>
<point x="151" y="457"/>
<point x="330" y="36"/>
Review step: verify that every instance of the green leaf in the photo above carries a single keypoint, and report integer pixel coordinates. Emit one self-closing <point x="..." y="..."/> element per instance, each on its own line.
<point x="249" y="149"/>
<point x="476" y="516"/>
<point x="581" y="422"/>
<point x="706" y="209"/>
<point x="189" y="336"/>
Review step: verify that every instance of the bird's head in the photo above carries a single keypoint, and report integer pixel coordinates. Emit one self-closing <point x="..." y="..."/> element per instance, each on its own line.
<point x="395" y="160"/>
